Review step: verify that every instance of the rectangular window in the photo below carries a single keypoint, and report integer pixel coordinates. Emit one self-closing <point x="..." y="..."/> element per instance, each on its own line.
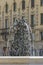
<point x="6" y="23"/>
<point x="40" y="52"/>
<point x="13" y="19"/>
<point x="32" y="20"/>
<point x="32" y="3"/>
<point x="42" y="18"/>
<point x="41" y="1"/>
<point x="23" y="17"/>
<point x="41" y="35"/>
<point x="33" y="51"/>
<point x="6" y="9"/>
<point x="14" y="6"/>
<point x="23" y="4"/>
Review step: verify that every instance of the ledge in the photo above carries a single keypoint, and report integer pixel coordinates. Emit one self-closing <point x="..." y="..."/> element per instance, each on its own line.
<point x="20" y="60"/>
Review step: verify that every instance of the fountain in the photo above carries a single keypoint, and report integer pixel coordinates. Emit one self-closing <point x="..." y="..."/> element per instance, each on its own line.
<point x="20" y="39"/>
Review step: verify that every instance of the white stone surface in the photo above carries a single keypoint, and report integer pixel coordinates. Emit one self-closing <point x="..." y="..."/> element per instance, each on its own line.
<point x="21" y="64"/>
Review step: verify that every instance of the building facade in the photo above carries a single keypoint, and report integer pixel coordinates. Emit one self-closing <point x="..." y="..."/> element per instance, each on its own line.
<point x="31" y="10"/>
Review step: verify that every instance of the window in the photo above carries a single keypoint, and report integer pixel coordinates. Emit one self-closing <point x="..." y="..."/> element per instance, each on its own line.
<point x="42" y="18"/>
<point x="23" y="17"/>
<point x="33" y="52"/>
<point x="23" y="4"/>
<point x="6" y="22"/>
<point x="6" y="8"/>
<point x="41" y="35"/>
<point x="40" y="52"/>
<point x="32" y="20"/>
<point x="13" y="19"/>
<point x="41" y="1"/>
<point x="32" y="3"/>
<point x="14" y="6"/>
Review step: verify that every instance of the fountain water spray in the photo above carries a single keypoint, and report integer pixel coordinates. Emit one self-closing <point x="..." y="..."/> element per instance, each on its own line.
<point x="20" y="39"/>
